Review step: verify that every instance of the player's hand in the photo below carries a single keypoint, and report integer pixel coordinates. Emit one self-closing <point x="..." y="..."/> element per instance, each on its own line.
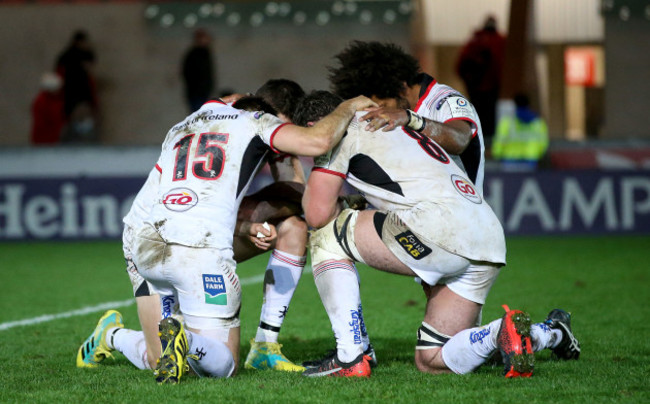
<point x="385" y="118"/>
<point x="262" y="235"/>
<point x="360" y="103"/>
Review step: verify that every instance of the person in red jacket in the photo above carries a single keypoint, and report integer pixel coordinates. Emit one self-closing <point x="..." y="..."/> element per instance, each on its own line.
<point x="47" y="111"/>
<point x="479" y="65"/>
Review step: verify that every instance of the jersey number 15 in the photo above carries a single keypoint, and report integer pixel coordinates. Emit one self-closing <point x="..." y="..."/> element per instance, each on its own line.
<point x="208" y="159"/>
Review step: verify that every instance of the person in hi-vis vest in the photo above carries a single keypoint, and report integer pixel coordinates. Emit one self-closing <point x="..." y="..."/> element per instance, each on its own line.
<point x="521" y="139"/>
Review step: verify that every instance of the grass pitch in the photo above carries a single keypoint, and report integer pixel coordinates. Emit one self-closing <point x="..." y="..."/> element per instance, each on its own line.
<point x="603" y="281"/>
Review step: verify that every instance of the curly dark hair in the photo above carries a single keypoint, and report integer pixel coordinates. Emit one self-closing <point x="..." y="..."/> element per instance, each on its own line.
<point x="314" y="106"/>
<point x="373" y="69"/>
<point x="252" y="103"/>
<point x="282" y="94"/>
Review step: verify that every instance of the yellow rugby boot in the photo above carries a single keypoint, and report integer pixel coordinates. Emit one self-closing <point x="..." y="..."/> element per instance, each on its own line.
<point x="173" y="362"/>
<point x="268" y="355"/>
<point x="94" y="349"/>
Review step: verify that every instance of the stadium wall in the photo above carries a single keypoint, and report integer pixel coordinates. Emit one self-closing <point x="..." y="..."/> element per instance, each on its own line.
<point x="137" y="72"/>
<point x="82" y="194"/>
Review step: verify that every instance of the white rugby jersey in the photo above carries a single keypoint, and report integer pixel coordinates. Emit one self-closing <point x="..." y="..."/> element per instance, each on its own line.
<point x="442" y="103"/>
<point x="144" y="200"/>
<point x="207" y="162"/>
<point x="406" y="172"/>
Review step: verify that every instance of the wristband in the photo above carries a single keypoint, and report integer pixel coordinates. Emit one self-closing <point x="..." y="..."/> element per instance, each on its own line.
<point x="416" y="122"/>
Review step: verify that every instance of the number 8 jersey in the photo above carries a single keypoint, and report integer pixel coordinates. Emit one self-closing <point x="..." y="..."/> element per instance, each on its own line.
<point x="207" y="163"/>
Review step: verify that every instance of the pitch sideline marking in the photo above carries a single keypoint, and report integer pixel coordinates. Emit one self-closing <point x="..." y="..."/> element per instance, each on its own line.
<point x="100" y="307"/>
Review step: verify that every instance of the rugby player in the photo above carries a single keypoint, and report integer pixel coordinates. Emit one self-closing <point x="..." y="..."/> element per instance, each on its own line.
<point x="431" y="222"/>
<point x="279" y="204"/>
<point x="207" y="163"/>
<point x="408" y="97"/>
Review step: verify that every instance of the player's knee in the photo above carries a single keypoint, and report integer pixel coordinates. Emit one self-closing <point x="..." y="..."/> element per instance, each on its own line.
<point x="293" y="226"/>
<point x="428" y="350"/>
<point x="292" y="235"/>
<point x="429" y="361"/>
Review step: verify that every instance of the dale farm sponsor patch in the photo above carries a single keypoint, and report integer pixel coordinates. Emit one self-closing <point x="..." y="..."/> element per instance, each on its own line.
<point x="214" y="289"/>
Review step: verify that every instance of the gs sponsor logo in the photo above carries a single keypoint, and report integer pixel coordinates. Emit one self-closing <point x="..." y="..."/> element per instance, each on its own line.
<point x="466" y="189"/>
<point x="180" y="199"/>
<point x="461" y="102"/>
<point x="413" y="245"/>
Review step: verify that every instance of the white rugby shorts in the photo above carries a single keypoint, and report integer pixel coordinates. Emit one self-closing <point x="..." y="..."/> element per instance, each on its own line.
<point x="434" y="265"/>
<point x="204" y="279"/>
<point x="140" y="286"/>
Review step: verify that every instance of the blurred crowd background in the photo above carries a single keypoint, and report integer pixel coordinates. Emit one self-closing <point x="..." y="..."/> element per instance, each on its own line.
<point x="584" y="64"/>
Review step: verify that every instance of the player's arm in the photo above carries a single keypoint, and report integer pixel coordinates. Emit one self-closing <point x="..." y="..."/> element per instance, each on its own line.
<point x="298" y="171"/>
<point x="453" y="136"/>
<point x="324" y="135"/>
<point x="320" y="201"/>
<point x="287" y="168"/>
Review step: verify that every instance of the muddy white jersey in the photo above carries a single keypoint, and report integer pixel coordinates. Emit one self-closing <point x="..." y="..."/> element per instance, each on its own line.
<point x="442" y="103"/>
<point x="207" y="162"/>
<point x="407" y="173"/>
<point x="144" y="200"/>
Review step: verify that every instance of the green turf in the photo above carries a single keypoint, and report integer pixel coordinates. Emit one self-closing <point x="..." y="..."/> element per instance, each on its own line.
<point x="603" y="281"/>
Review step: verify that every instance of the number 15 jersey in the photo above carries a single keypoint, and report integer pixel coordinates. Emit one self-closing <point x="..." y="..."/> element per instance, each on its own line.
<point x="208" y="161"/>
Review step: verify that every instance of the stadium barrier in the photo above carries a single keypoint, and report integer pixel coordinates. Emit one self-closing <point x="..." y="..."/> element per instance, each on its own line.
<point x="83" y="194"/>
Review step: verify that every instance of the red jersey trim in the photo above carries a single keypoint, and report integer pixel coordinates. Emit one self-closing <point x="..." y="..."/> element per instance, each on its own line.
<point x="425" y="95"/>
<point x="215" y="102"/>
<point x="273" y="135"/>
<point x="474" y="125"/>
<point x="326" y="171"/>
<point x="157" y="167"/>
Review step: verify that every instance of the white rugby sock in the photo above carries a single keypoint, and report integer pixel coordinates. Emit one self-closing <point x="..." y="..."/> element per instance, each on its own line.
<point x="280" y="281"/>
<point x="338" y="287"/>
<point x="131" y="343"/>
<point x="544" y="337"/>
<point x="470" y="348"/>
<point x="214" y="357"/>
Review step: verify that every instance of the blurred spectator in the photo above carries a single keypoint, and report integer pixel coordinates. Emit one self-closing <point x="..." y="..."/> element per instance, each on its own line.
<point x="75" y="65"/>
<point x="81" y="126"/>
<point x="479" y="65"/>
<point x="197" y="70"/>
<point x="47" y="111"/>
<point x="521" y="140"/>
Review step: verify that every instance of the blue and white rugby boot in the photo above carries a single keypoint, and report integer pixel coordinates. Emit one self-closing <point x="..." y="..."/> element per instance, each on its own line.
<point x="569" y="347"/>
